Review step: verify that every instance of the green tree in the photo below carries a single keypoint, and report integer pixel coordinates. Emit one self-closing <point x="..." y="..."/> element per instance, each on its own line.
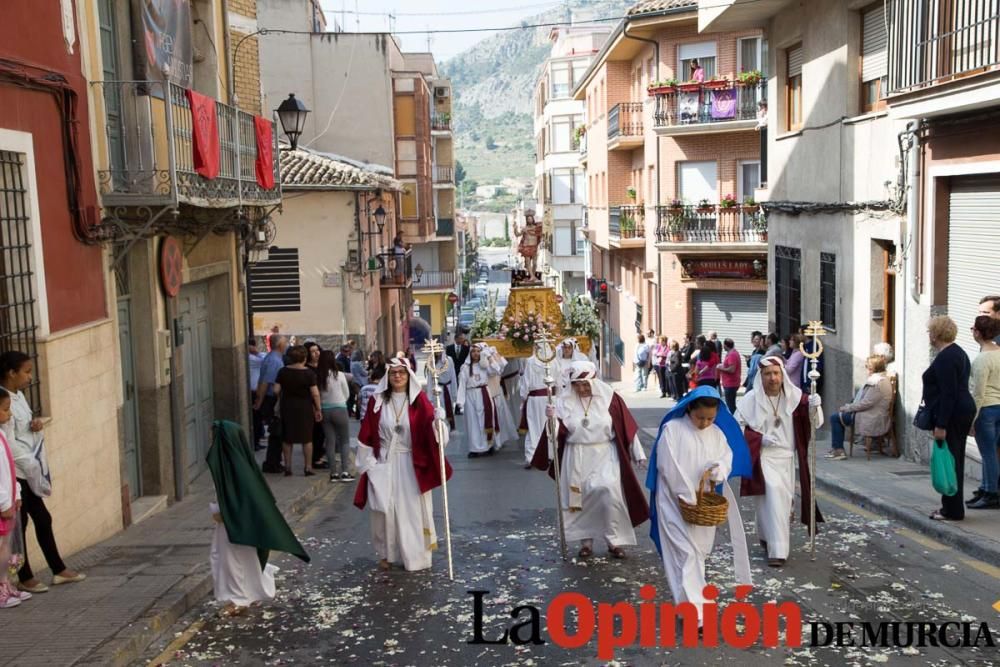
<point x="459" y="171"/>
<point x="506" y="228"/>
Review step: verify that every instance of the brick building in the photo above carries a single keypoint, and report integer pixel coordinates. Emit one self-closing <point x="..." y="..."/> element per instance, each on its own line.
<point x="670" y="164"/>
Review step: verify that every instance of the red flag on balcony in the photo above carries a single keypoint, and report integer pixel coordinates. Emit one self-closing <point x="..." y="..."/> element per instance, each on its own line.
<point x="265" y="152"/>
<point x="204" y="134"/>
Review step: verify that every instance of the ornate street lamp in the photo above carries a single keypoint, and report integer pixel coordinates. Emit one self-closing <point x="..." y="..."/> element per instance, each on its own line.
<point x="292" y="116"/>
<point x="379" y="218"/>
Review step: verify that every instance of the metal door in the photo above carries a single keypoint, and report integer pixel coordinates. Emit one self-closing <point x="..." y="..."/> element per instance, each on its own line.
<point x="730" y="314"/>
<point x="196" y="350"/>
<point x="130" y="407"/>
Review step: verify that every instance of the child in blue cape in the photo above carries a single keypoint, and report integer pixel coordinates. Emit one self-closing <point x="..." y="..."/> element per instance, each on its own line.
<point x="698" y="435"/>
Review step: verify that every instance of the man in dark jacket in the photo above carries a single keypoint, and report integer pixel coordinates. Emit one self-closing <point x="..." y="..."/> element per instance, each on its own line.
<point x="458" y="352"/>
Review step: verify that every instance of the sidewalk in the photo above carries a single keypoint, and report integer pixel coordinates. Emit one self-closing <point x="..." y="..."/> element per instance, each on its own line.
<point x="896" y="488"/>
<point x="138" y="583"/>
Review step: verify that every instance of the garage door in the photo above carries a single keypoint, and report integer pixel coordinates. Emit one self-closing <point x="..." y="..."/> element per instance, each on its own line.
<point x="731" y="314"/>
<point x="973" y="252"/>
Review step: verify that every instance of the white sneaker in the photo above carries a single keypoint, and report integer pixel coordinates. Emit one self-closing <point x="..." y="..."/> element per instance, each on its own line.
<point x="12" y="601"/>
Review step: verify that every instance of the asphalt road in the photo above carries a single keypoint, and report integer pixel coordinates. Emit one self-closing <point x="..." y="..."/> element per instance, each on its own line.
<point x="340" y="610"/>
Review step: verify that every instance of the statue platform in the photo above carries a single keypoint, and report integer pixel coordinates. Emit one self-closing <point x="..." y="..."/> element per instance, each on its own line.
<point x="527" y="300"/>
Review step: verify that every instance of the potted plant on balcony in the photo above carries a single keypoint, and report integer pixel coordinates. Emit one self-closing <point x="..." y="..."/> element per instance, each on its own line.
<point x="580" y="131"/>
<point x="705" y="206"/>
<point x="675" y="225"/>
<point x="727" y="202"/>
<point x="759" y="224"/>
<point x="690" y="87"/>
<point x="662" y="87"/>
<point x="749" y="78"/>
<point x="628" y="227"/>
<point x="717" y="83"/>
<point x="675" y="204"/>
<point x="630" y="193"/>
<point x="749" y="204"/>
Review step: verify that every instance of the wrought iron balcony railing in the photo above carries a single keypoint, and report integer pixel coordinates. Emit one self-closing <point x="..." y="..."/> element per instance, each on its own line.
<point x="396" y="269"/>
<point x="441" y="121"/>
<point x="148" y="134"/>
<point x="444" y="173"/>
<point x="435" y="280"/>
<point x="626" y="222"/>
<point x="625" y="120"/>
<point x="933" y="42"/>
<point x="715" y="224"/>
<point x="712" y="102"/>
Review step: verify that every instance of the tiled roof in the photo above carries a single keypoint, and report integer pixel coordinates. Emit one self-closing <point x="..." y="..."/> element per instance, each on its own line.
<point x="649" y="6"/>
<point x="305" y="168"/>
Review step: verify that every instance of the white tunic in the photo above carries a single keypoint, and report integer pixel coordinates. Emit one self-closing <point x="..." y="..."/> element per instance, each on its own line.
<point x="683" y="454"/>
<point x="402" y="517"/>
<point x="236" y="574"/>
<point x="470" y="397"/>
<point x="590" y="477"/>
<point x="512" y="384"/>
<point x="447" y="378"/>
<point x="532" y="379"/>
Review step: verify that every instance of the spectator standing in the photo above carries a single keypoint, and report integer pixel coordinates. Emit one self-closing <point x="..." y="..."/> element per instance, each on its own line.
<point x="687" y="351"/>
<point x="459" y="350"/>
<point x="947" y="398"/>
<point x="730" y="371"/>
<point x="266" y="400"/>
<point x="255" y="362"/>
<point x="990" y="306"/>
<point x="660" y="358"/>
<point x="641" y="364"/>
<point x="795" y="360"/>
<point x="299" y="407"/>
<point x="333" y="394"/>
<point x="713" y="338"/>
<point x="757" y="345"/>
<point x="697" y="72"/>
<point x="705" y="370"/>
<point x="868" y="413"/>
<point x="24" y="437"/>
<point x="986" y="392"/>
<point x="677" y="371"/>
<point x="375" y="374"/>
<point x="319" y="458"/>
<point x="774" y="348"/>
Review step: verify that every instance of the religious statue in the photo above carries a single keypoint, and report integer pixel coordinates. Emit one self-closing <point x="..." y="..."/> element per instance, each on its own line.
<point x="531" y="238"/>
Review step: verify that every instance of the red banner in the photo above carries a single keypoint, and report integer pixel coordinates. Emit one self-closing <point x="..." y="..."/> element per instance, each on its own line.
<point x="204" y="134"/>
<point x="265" y="152"/>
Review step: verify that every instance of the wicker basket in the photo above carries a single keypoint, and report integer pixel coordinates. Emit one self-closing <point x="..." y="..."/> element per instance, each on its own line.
<point x="710" y="509"/>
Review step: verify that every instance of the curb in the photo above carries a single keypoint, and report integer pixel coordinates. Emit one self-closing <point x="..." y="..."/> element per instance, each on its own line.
<point x="976" y="546"/>
<point x="129" y="643"/>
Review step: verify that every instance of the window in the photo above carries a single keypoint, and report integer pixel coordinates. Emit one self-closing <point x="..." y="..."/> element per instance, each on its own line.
<point x="409" y="200"/>
<point x="274" y="283"/>
<point x="874" y="66"/>
<point x="406" y="157"/>
<point x="581" y="239"/>
<point x="788" y="287"/>
<point x="828" y="289"/>
<point x="18" y="326"/>
<point x="563" y="239"/>
<point x="650" y="72"/>
<point x="562" y="134"/>
<point x="747" y="181"/>
<point x="688" y="54"/>
<point x="561" y="79"/>
<point x="562" y="186"/>
<point x="579" y="187"/>
<point x="698" y="180"/>
<point x="793" y="88"/>
<point x="579" y="69"/>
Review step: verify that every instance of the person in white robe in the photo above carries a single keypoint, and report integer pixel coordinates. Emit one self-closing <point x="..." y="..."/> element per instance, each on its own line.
<point x="508" y="429"/>
<point x="402" y="514"/>
<point x="569" y="352"/>
<point x="237" y="578"/>
<point x="697" y="437"/>
<point x="478" y="406"/>
<point x="770" y="411"/>
<point x="534" y="397"/>
<point x="510" y="379"/>
<point x="601" y="498"/>
<point x="447" y="380"/>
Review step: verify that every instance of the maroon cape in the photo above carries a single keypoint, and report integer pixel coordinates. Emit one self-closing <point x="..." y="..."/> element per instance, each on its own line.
<point x="755" y="485"/>
<point x="426" y="459"/>
<point x="625" y="429"/>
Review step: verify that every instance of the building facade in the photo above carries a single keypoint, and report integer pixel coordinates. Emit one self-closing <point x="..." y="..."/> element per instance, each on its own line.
<point x="560" y="178"/>
<point x="671" y="158"/>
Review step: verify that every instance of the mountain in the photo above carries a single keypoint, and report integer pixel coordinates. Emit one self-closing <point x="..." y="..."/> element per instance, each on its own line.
<point x="493" y="82"/>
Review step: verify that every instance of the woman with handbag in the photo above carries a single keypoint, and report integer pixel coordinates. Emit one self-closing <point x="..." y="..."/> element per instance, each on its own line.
<point x="26" y="442"/>
<point x="947" y="407"/>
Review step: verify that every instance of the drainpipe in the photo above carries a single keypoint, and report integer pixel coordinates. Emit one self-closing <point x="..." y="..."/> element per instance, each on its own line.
<point x="229" y="53"/>
<point x="659" y="258"/>
<point x="913" y="239"/>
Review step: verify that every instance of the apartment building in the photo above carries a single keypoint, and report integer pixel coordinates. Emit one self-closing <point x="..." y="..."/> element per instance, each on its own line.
<point x="896" y="144"/>
<point x="672" y="155"/>
<point x="559" y="137"/>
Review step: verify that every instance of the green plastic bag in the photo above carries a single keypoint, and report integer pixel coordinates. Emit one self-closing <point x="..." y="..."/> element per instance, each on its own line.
<point x="943" y="469"/>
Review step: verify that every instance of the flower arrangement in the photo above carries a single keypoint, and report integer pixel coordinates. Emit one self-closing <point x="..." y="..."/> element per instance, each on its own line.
<point x="750" y="78"/>
<point x="663" y="85"/>
<point x="522" y="328"/>
<point x="485" y="322"/>
<point x="675" y="203"/>
<point x="705" y="205"/>
<point x="582" y="318"/>
<point x="728" y="201"/>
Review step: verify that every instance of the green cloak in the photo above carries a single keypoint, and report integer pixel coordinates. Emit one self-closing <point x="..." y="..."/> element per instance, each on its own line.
<point x="245" y="500"/>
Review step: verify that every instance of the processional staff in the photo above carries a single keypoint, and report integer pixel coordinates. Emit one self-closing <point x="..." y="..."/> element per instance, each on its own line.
<point x="545" y="352"/>
<point x="433" y="348"/>
<point x="815" y="329"/>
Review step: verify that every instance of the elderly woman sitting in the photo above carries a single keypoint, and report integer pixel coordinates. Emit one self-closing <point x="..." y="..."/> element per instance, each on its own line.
<point x="868" y="412"/>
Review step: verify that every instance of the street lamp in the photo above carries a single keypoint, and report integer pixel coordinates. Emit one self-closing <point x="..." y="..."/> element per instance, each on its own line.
<point x="379" y="218"/>
<point x="292" y="116"/>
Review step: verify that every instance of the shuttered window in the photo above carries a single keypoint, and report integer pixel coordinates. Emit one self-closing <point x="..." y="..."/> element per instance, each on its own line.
<point x="973" y="252"/>
<point x="874" y="43"/>
<point x="793" y="88"/>
<point x="828" y="290"/>
<point x="274" y="283"/>
<point x="730" y="314"/>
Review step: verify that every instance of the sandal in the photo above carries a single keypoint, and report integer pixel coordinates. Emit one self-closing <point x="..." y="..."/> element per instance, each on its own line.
<point x="938" y="516"/>
<point x="775" y="562"/>
<point x="383" y="564"/>
<point x="616" y="552"/>
<point x="585" y="552"/>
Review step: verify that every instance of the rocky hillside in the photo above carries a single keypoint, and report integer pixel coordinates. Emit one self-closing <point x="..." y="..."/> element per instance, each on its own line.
<point x="493" y="84"/>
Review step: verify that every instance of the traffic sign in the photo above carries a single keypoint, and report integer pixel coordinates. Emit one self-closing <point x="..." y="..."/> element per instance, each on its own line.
<point x="452" y="298"/>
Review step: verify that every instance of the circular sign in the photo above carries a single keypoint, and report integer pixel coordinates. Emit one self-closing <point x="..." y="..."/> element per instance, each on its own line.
<point x="559" y="298"/>
<point x="452" y="298"/>
<point x="171" y="266"/>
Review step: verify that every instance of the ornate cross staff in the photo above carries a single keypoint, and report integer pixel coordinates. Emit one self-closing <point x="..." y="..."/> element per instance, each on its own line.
<point x="815" y="329"/>
<point x="433" y="348"/>
<point x="545" y="352"/>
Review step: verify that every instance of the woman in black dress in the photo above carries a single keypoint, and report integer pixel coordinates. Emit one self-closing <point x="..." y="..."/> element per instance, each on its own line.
<point x="319" y="460"/>
<point x="298" y="403"/>
<point x="946" y="395"/>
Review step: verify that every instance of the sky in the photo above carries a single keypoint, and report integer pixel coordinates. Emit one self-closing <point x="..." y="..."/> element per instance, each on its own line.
<point x="434" y="14"/>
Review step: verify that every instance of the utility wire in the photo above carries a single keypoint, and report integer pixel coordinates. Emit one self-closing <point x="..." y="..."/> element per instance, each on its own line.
<point x="498" y="10"/>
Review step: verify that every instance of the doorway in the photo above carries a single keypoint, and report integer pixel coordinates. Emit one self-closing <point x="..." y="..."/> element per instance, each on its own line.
<point x="196" y="351"/>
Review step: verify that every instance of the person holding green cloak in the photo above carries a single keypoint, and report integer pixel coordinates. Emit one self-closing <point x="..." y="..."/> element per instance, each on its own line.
<point x="249" y="524"/>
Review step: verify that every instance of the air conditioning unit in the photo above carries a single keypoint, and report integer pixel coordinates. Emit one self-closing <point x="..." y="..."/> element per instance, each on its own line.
<point x="442" y="91"/>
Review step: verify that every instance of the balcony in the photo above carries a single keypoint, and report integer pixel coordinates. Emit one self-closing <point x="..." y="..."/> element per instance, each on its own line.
<point x="444" y="176"/>
<point x="691" y="229"/>
<point x="435" y="280"/>
<point x="151" y="162"/>
<point x="445" y="227"/>
<point x="706" y="108"/>
<point x="625" y="126"/>
<point x="396" y="269"/>
<point x="626" y="226"/>
<point x="441" y="122"/>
